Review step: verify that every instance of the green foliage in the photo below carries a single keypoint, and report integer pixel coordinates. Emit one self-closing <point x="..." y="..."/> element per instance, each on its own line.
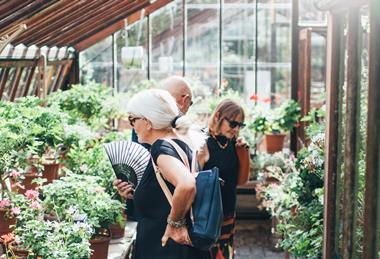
<point x="84" y="194"/>
<point x="297" y="201"/>
<point x="277" y="120"/>
<point x="90" y="103"/>
<point x="53" y="239"/>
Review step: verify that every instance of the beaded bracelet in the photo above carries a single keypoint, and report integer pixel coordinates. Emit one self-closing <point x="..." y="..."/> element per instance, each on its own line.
<point x="176" y="224"/>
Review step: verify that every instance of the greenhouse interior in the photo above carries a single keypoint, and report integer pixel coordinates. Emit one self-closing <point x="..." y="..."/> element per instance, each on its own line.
<point x="297" y="167"/>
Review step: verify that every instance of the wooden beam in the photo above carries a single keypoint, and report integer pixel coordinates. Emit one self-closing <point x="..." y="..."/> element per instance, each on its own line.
<point x="335" y="29"/>
<point x="24" y="13"/>
<point x="3" y="80"/>
<point x="28" y="80"/>
<point x="372" y="176"/>
<point x="40" y="90"/>
<point x="304" y="73"/>
<point x="99" y="36"/>
<point x="54" y="24"/>
<point x="18" y="63"/>
<point x="73" y="77"/>
<point x="294" y="69"/>
<point x="136" y="16"/>
<point x="89" y="28"/>
<point x="56" y="78"/>
<point x="351" y="143"/>
<point x="63" y="76"/>
<point x="88" y="42"/>
<point x="9" y="7"/>
<point x="15" y="85"/>
<point x="44" y="18"/>
<point x="95" y="14"/>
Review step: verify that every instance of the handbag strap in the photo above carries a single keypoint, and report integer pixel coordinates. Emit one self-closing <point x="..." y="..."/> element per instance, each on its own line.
<point x="185" y="160"/>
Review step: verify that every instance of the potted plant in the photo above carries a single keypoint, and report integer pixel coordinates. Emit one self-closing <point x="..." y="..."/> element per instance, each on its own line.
<point x="53" y="239"/>
<point x="86" y="196"/>
<point x="275" y="123"/>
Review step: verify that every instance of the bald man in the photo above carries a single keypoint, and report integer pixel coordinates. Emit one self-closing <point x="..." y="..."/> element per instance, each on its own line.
<point x="179" y="88"/>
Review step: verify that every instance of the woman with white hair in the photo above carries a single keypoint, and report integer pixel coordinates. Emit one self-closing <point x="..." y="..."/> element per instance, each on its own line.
<point x="162" y="230"/>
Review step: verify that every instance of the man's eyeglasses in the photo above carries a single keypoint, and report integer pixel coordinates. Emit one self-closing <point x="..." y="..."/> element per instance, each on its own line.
<point x="233" y="124"/>
<point x="187" y="95"/>
<point x="132" y="120"/>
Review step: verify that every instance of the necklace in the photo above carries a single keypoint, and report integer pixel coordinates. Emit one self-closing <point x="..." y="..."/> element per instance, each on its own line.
<point x="222" y="146"/>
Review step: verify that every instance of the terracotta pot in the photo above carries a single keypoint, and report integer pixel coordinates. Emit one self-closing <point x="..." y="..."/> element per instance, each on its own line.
<point x="117" y="231"/>
<point x="5" y="222"/>
<point x="27" y="182"/>
<point x="99" y="245"/>
<point x="274" y="143"/>
<point x="50" y="172"/>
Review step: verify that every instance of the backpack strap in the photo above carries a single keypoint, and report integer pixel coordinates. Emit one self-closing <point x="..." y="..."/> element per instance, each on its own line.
<point x="185" y="160"/>
<point x="163" y="185"/>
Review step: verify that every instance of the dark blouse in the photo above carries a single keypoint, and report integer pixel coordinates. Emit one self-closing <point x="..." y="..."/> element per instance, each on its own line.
<point x="223" y="156"/>
<point x="154" y="209"/>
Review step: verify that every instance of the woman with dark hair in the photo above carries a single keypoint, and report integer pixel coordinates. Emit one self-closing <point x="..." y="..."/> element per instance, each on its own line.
<point x="225" y="150"/>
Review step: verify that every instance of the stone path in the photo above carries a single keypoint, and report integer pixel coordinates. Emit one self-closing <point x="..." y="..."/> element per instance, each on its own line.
<point x="253" y="240"/>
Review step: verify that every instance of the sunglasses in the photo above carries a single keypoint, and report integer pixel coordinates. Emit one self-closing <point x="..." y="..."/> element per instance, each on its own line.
<point x="132" y="120"/>
<point x="234" y="124"/>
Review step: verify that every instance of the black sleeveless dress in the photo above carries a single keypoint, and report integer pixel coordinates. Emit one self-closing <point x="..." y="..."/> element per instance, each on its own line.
<point x="154" y="209"/>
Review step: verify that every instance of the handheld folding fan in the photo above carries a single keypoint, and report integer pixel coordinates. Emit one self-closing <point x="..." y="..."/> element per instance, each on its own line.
<point x="129" y="160"/>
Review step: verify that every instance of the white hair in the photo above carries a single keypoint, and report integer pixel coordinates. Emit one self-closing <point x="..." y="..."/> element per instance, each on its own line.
<point x="160" y="108"/>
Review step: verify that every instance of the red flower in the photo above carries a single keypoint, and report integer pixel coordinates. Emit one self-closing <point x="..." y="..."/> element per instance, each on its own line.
<point x="267" y="100"/>
<point x="254" y="97"/>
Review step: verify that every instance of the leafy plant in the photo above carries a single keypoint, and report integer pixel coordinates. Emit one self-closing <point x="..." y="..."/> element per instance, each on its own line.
<point x="83" y="193"/>
<point x="277" y="120"/>
<point x="53" y="239"/>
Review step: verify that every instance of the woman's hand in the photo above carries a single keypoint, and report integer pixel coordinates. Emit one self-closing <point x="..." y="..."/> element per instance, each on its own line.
<point x="124" y="189"/>
<point x="178" y="235"/>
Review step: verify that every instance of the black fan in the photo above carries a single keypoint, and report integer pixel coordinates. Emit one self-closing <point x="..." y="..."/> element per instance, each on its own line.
<point x="129" y="160"/>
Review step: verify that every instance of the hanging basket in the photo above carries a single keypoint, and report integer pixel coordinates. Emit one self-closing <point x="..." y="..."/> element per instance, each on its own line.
<point x="274" y="142"/>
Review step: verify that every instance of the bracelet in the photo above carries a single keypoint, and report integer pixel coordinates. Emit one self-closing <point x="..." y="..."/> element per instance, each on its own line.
<point x="176" y="224"/>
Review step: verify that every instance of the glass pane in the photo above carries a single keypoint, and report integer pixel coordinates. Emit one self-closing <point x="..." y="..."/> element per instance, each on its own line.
<point x="274" y="49"/>
<point x="318" y="69"/>
<point x="238" y="46"/>
<point x="96" y="63"/>
<point x="132" y="54"/>
<point x="167" y="41"/>
<point x="202" y="52"/>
